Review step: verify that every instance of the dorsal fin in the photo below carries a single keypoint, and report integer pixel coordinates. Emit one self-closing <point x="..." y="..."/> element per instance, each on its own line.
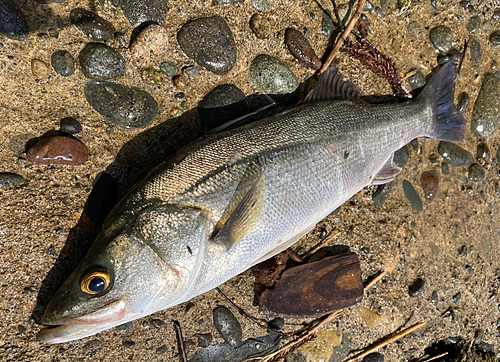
<point x="387" y="173"/>
<point x="331" y="85"/>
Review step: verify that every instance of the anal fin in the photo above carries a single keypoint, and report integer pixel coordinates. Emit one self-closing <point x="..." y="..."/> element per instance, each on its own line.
<point x="387" y="173"/>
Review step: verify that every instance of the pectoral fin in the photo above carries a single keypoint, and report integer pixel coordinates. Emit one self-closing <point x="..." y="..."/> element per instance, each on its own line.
<point x="387" y="173"/>
<point x="244" y="218"/>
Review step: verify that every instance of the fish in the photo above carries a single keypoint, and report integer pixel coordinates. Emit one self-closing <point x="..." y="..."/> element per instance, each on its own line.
<point x="237" y="197"/>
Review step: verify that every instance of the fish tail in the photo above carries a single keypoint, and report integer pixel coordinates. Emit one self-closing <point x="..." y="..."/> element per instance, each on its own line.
<point x="447" y="123"/>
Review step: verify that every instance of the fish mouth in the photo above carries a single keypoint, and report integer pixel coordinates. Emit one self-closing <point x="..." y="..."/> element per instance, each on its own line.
<point x="83" y="325"/>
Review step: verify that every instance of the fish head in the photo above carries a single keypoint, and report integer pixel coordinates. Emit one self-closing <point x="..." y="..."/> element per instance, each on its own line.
<point x="133" y="269"/>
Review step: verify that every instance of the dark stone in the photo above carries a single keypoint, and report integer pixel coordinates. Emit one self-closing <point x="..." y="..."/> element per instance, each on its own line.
<point x="58" y="150"/>
<point x="299" y="47"/>
<point x="214" y="352"/>
<point x="102" y="199"/>
<point x="457" y="297"/>
<point x="141" y="11"/>
<point x="127" y="107"/>
<point x="412" y="196"/>
<point x="204" y="339"/>
<point x="401" y="156"/>
<point x="52" y="251"/>
<point x="455" y="155"/>
<point x="125" y="327"/>
<point x="227" y="325"/>
<point x="495" y="38"/>
<point x="414" y="144"/>
<point x="483" y="152"/>
<point x="161" y="350"/>
<point x="91" y="24"/>
<point x="276" y="324"/>
<point x="100" y="62"/>
<point x="382" y="193"/>
<point x="417" y="80"/>
<point x="326" y="24"/>
<point x="210" y="42"/>
<point x="486" y="111"/>
<point x="10" y="180"/>
<point x="271" y="76"/>
<point x="12" y="22"/>
<point x="70" y="125"/>
<point x="463" y="102"/>
<point x="434" y="298"/>
<point x="453" y="53"/>
<point x="252" y="348"/>
<point x="475" y="50"/>
<point x="128" y="344"/>
<point x="441" y="38"/>
<point x="157" y="323"/>
<point x="445" y="169"/>
<point x="474" y="24"/>
<point x="476" y="173"/>
<point x="374" y="357"/>
<point x="63" y="63"/>
<point x="417" y="287"/>
<point x="429" y="180"/>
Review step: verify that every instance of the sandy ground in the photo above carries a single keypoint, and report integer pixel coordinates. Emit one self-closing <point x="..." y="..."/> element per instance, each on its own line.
<point x="48" y="207"/>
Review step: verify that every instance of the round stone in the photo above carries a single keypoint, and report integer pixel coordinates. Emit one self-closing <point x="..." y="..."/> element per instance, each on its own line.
<point x="374" y="357"/>
<point x="58" y="150"/>
<point x="127" y="107"/>
<point x="260" y="26"/>
<point x="474" y="24"/>
<point x="209" y="41"/>
<point x="125" y="327"/>
<point x="12" y="22"/>
<point x="483" y="152"/>
<point x="168" y="68"/>
<point x="326" y="23"/>
<point x="372" y="319"/>
<point x="455" y="155"/>
<point x="227" y="325"/>
<point x="271" y="76"/>
<point x="475" y="173"/>
<point x="262" y="5"/>
<point x="39" y="69"/>
<point x="416" y="80"/>
<point x="441" y="38"/>
<point x="149" y="46"/>
<point x="100" y="62"/>
<point x="463" y="102"/>
<point x="495" y="38"/>
<point x="430" y="184"/>
<point x="63" y="63"/>
<point x="10" y="180"/>
<point x="70" y="125"/>
<point x="140" y="11"/>
<point x="417" y="287"/>
<point x="91" y="24"/>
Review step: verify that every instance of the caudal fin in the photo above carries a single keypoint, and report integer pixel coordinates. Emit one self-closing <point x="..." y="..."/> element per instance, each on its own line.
<point x="448" y="124"/>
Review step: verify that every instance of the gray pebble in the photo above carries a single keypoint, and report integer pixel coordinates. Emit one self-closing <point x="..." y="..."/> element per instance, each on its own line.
<point x="204" y="339"/>
<point x="127" y="107"/>
<point x="100" y="62"/>
<point x="379" y="12"/>
<point x="271" y="76"/>
<point x="214" y="352"/>
<point x="63" y="63"/>
<point x="496" y="15"/>
<point x="255" y="347"/>
<point x="209" y="41"/>
<point x="276" y="324"/>
<point x="455" y="155"/>
<point x="91" y="24"/>
<point x="412" y="196"/>
<point x="457" y="297"/>
<point x="225" y="2"/>
<point x="401" y="156"/>
<point x="227" y="325"/>
<point x="414" y="144"/>
<point x="474" y="24"/>
<point x="341" y="351"/>
<point x="382" y="193"/>
<point x="441" y="38"/>
<point x="21" y="329"/>
<point x="486" y="111"/>
<point x="483" y="151"/>
<point x="141" y="11"/>
<point x="486" y="26"/>
<point x="495" y="38"/>
<point x="191" y="72"/>
<point x="12" y="22"/>
<point x="70" y="125"/>
<point x="445" y="169"/>
<point x="262" y="5"/>
<point x="161" y="350"/>
<point x="128" y="344"/>
<point x="463" y="102"/>
<point x="52" y="251"/>
<point x="417" y="80"/>
<point x="368" y="7"/>
<point x="10" y="180"/>
<point x="475" y="50"/>
<point x="125" y="327"/>
<point x="92" y="346"/>
<point x="374" y="357"/>
<point x="434" y="298"/>
<point x="157" y="323"/>
<point x="326" y="24"/>
<point x="168" y="68"/>
<point x="442" y="59"/>
<point x="417" y="287"/>
<point x="476" y="173"/>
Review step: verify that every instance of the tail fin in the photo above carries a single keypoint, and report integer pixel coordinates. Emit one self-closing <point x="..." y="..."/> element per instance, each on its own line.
<point x="448" y="124"/>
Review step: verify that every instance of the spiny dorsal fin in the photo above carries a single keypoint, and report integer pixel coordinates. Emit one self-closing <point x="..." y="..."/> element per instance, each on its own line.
<point x="387" y="173"/>
<point x="331" y="85"/>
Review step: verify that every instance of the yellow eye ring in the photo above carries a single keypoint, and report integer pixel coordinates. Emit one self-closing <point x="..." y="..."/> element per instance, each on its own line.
<point x="95" y="282"/>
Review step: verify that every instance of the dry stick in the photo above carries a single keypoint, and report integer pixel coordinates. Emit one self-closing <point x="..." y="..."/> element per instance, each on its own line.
<point x="180" y="341"/>
<point x="386" y="341"/>
<point x="466" y="50"/>
<point x="344" y="36"/>
<point x="320" y="244"/>
<point x="436" y="357"/>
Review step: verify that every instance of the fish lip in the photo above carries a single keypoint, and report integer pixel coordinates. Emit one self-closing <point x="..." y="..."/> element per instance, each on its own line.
<point x="111" y="312"/>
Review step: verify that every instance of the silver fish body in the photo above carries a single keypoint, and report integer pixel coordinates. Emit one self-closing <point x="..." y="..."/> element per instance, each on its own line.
<point x="232" y="199"/>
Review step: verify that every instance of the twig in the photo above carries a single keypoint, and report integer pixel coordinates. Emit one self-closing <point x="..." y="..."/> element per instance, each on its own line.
<point x="320" y="245"/>
<point x="466" y="50"/>
<point x="343" y="37"/>
<point x="427" y="358"/>
<point x="180" y="341"/>
<point x="386" y="341"/>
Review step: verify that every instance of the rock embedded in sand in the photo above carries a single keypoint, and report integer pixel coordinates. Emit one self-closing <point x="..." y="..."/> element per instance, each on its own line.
<point x="12" y="22"/>
<point x="382" y="193"/>
<point x="100" y="62"/>
<point x="91" y="24"/>
<point x="417" y="287"/>
<point x="10" y="180"/>
<point x="463" y="102"/>
<point x="225" y="2"/>
<point x="271" y="76"/>
<point x="227" y="325"/>
<point x="412" y="196"/>
<point x="141" y="11"/>
<point x="454" y="154"/>
<point x="326" y="23"/>
<point x="475" y="50"/>
<point x="262" y="5"/>
<point x="209" y="41"/>
<point x="58" y="150"/>
<point x="474" y="24"/>
<point x="483" y="152"/>
<point x="486" y="112"/>
<point x="301" y="49"/>
<point x="70" y="125"/>
<point x="261" y="26"/>
<point x="416" y="80"/>
<point x="430" y="184"/>
<point x="475" y="173"/>
<point x="495" y="38"/>
<point x="441" y="38"/>
<point x="372" y="319"/>
<point x="38" y="68"/>
<point x="149" y="46"/>
<point x="63" y="63"/>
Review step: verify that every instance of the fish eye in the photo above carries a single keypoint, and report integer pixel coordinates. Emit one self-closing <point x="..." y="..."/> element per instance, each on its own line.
<point x="95" y="282"/>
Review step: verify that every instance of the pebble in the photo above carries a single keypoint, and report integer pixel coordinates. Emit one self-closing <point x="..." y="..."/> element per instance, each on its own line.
<point x="445" y="169"/>
<point x="463" y="102"/>
<point x="412" y="196"/>
<point x="227" y="325"/>
<point x="180" y="81"/>
<point x="382" y="193"/>
<point x="430" y="184"/>
<point x="483" y="152"/>
<point x="210" y="42"/>
<point x="475" y="173"/>
<point x="271" y="76"/>
<point x="301" y="49"/>
<point x="401" y="156"/>
<point x="441" y="38"/>
<point x="141" y="11"/>
<point x="204" y="339"/>
<point x="128" y="344"/>
<point x="161" y="350"/>
<point x="39" y="69"/>
<point x="457" y="297"/>
<point x="12" y="22"/>
<point x="486" y="111"/>
<point x="9" y="180"/>
<point x="100" y="62"/>
<point x="486" y="26"/>
<point x="455" y="155"/>
<point x="262" y="5"/>
<point x="125" y="327"/>
<point x="495" y="38"/>
<point x="474" y="24"/>
<point x="372" y="319"/>
<point x="63" y="63"/>
<point x="214" y="352"/>
<point x="149" y="46"/>
<point x="326" y="24"/>
<point x="157" y="323"/>
<point x="374" y="357"/>
<point x="92" y="346"/>
<point x="127" y="107"/>
<point x="168" y="68"/>
<point x="152" y="76"/>
<point x="225" y="2"/>
<point x="58" y="150"/>
<point x="276" y="324"/>
<point x="261" y="26"/>
<point x="91" y="24"/>
<point x="191" y="72"/>
<point x="417" y="80"/>
<point x="70" y="125"/>
<point x="434" y="298"/>
<point x="413" y="29"/>
<point x="417" y="287"/>
<point x="442" y="59"/>
<point x="475" y="50"/>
